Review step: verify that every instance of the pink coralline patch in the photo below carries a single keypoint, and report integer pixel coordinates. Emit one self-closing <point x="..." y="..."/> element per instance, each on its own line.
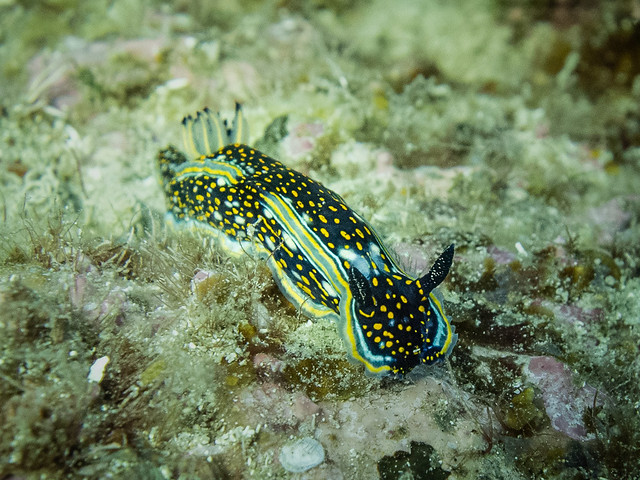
<point x="241" y="78"/>
<point x="501" y="257"/>
<point x="302" y="138"/>
<point x="53" y="78"/>
<point x="199" y="277"/>
<point x="384" y="163"/>
<point x="304" y="407"/>
<point x="570" y="313"/>
<point x="542" y="130"/>
<point x="574" y="313"/>
<point x="272" y="405"/>
<point x="267" y="365"/>
<point x="609" y="218"/>
<point x="412" y="257"/>
<point x="84" y="296"/>
<point x="56" y="73"/>
<point x="564" y="403"/>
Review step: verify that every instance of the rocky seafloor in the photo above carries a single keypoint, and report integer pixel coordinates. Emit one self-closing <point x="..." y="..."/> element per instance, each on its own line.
<point x="130" y="349"/>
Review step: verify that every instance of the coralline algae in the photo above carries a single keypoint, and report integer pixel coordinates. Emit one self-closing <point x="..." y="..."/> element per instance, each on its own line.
<point x="301" y="455"/>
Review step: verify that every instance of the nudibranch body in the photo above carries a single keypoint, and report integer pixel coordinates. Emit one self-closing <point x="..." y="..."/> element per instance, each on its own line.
<point x="326" y="259"/>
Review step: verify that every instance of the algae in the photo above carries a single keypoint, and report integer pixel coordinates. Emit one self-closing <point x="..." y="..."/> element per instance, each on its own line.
<point x="511" y="129"/>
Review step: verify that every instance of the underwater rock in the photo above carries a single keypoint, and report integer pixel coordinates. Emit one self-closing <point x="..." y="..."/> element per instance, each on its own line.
<point x="275" y="408"/>
<point x="564" y="403"/>
<point x="301" y="455"/>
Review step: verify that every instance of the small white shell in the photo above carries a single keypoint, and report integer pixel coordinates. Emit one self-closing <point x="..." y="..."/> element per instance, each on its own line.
<point x="96" y="372"/>
<point x="301" y="455"/>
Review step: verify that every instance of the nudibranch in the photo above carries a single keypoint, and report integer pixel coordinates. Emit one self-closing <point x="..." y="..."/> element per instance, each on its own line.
<point x="326" y="259"/>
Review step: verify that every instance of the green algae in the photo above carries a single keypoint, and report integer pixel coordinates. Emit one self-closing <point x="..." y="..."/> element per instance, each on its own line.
<point x="322" y="379"/>
<point x="421" y="462"/>
<point x="523" y="412"/>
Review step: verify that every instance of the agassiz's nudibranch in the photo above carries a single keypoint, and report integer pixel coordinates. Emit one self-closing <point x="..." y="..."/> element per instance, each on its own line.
<point x="326" y="259"/>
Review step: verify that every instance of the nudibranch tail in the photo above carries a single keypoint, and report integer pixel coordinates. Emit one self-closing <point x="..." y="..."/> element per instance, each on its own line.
<point x="326" y="259"/>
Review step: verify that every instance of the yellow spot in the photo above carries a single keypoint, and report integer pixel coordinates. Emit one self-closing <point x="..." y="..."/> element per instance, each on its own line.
<point x="377" y="339"/>
<point x="389" y="343"/>
<point x="377" y="326"/>
<point x="374" y="281"/>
